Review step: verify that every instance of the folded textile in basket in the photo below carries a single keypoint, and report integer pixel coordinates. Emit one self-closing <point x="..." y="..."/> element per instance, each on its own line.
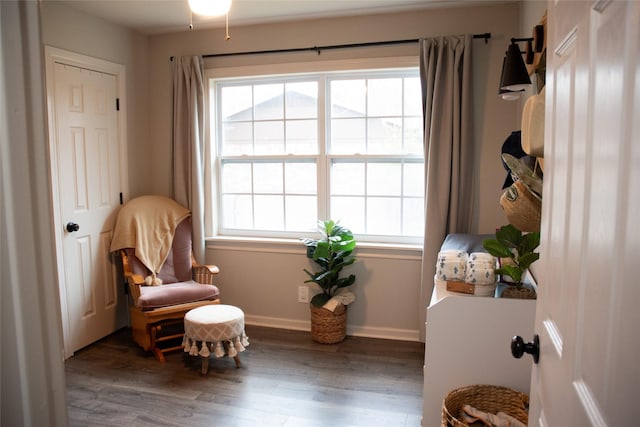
<point x="480" y="269"/>
<point x="451" y="265"/>
<point x="343" y="297"/>
<point x="471" y="415"/>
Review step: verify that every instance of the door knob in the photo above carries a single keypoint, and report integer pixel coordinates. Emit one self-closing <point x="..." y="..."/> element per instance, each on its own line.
<point x="72" y="226"/>
<point x="519" y="347"/>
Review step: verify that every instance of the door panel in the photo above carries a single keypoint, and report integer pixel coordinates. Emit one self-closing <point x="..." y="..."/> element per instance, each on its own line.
<point x="89" y="195"/>
<point x="584" y="315"/>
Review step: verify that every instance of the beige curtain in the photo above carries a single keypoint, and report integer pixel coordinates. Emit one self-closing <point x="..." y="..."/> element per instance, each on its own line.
<point x="445" y="70"/>
<point x="188" y="143"/>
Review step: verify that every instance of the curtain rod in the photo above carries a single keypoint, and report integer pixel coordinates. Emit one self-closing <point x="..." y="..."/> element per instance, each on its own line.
<point x="318" y="49"/>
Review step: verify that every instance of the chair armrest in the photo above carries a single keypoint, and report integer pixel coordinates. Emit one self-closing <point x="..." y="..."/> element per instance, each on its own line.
<point x="204" y="273"/>
<point x="135" y="281"/>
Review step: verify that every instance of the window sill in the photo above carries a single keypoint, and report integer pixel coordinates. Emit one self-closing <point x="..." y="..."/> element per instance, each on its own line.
<point x="295" y="246"/>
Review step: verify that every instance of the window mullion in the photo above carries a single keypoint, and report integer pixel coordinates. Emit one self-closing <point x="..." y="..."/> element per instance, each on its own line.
<point x="253" y="120"/>
<point x="284" y="192"/>
<point x="323" y="164"/>
<point x="253" y="197"/>
<point x="402" y="191"/>
<point x="216" y="131"/>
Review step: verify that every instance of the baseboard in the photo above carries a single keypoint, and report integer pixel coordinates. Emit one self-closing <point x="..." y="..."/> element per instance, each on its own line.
<point x="277" y="322"/>
<point x="384" y="333"/>
<point x="358" y="331"/>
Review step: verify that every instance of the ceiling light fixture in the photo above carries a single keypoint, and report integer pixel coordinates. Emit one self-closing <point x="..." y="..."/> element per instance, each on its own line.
<point x="210" y="7"/>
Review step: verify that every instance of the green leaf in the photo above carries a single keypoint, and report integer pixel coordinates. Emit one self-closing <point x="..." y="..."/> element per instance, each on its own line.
<point x="322" y="250"/>
<point x="344" y="263"/>
<point x="326" y="227"/>
<point x="323" y="275"/>
<point x="347" y="245"/>
<point x="346" y="281"/>
<point x="509" y="236"/>
<point x="524" y="261"/>
<point x="497" y="248"/>
<point x="338" y="230"/>
<point x="319" y="300"/>
<point x="512" y="271"/>
<point x="529" y="243"/>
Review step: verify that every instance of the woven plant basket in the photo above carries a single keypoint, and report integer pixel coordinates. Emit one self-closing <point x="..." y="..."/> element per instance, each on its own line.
<point x="328" y="327"/>
<point x="486" y="398"/>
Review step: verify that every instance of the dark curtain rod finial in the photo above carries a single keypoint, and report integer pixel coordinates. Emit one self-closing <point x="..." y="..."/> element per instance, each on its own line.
<point x="485" y="36"/>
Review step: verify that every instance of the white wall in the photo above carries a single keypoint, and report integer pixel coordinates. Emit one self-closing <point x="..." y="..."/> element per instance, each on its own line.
<point x="263" y="279"/>
<point x="66" y="28"/>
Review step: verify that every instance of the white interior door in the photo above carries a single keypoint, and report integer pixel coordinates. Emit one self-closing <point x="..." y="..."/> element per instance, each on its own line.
<point x="587" y="315"/>
<point x="89" y="190"/>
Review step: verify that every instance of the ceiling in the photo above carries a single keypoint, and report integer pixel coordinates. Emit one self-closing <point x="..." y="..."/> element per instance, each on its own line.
<point x="161" y="16"/>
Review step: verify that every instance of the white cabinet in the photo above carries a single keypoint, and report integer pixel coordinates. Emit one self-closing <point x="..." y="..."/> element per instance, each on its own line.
<point x="468" y="342"/>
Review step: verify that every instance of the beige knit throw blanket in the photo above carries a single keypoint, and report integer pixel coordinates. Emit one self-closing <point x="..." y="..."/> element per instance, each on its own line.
<point x="148" y="224"/>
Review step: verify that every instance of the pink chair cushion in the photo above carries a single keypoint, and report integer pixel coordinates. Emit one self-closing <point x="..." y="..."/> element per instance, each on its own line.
<point x="152" y="297"/>
<point x="177" y="284"/>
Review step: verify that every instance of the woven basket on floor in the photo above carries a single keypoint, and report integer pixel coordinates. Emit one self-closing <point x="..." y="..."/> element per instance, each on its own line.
<point x="486" y="398"/>
<point x="328" y="327"/>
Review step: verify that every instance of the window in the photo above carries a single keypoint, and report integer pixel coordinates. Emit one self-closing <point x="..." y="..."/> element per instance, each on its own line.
<point x="342" y="145"/>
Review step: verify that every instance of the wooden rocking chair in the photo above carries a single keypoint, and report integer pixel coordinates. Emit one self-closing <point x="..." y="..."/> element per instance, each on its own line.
<point x="158" y="302"/>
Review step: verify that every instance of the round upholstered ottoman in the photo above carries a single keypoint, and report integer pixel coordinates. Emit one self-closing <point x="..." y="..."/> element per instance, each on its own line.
<point x="214" y="329"/>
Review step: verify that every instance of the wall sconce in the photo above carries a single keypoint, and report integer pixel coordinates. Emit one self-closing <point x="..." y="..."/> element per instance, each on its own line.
<point x="514" y="76"/>
<point x="505" y="94"/>
<point x="210" y="7"/>
<point x="510" y="95"/>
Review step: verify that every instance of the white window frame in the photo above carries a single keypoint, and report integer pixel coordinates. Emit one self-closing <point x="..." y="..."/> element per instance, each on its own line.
<point x="289" y="70"/>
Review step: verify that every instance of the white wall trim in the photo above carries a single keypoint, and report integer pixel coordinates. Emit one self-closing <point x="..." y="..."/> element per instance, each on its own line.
<point x="358" y="331"/>
<point x="295" y="247"/>
<point x="311" y="67"/>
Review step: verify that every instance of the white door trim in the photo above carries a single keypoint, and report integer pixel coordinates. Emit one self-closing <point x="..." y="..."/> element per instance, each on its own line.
<point x="55" y="55"/>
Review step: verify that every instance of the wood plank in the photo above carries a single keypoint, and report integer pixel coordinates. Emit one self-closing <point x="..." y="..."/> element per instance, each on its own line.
<point x="286" y="379"/>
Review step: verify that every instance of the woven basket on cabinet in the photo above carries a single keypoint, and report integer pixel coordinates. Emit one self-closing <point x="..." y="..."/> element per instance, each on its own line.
<point x="486" y="398"/>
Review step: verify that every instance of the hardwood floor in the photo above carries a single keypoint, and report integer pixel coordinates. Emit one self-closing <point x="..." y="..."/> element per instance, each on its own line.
<point x="285" y="380"/>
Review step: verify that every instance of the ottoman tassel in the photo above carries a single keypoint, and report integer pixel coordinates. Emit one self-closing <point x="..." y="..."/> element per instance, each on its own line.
<point x="194" y="349"/>
<point x="245" y="340"/>
<point x="204" y="350"/>
<point x="239" y="345"/>
<point x="219" y="352"/>
<point x="232" y="350"/>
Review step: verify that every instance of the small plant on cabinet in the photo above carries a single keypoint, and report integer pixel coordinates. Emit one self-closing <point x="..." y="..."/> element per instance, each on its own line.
<point x="516" y="251"/>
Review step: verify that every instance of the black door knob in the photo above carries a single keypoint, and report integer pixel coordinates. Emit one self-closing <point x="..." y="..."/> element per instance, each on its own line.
<point x="519" y="347"/>
<point x="72" y="226"/>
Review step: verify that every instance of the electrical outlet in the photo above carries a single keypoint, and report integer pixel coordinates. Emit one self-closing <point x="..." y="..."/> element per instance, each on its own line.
<point x="303" y="294"/>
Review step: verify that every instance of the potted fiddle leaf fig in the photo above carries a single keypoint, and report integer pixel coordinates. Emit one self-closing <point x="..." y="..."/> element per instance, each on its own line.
<point x="332" y="252"/>
<point x="516" y="251"/>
